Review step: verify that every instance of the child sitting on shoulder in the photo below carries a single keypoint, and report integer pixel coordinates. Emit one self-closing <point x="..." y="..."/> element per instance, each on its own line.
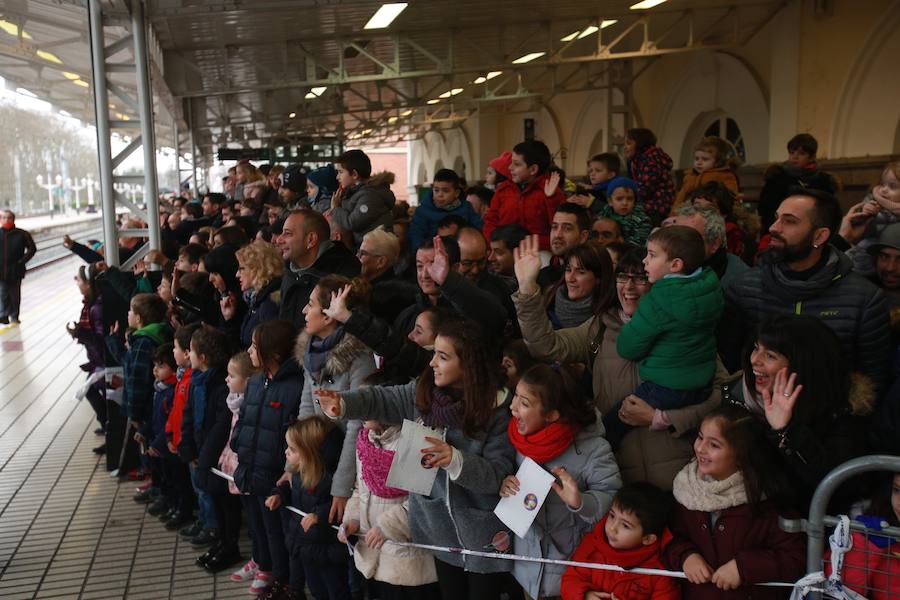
<point x="711" y="163"/>
<point x="602" y="169"/>
<point x="622" y="207"/>
<point x="632" y="535"/>
<point x="672" y="333"/>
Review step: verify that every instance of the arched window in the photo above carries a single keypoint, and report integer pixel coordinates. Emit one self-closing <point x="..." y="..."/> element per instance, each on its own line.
<point x="727" y="129"/>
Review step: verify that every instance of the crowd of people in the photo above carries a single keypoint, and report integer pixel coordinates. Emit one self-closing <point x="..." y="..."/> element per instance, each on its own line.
<point x="687" y="364"/>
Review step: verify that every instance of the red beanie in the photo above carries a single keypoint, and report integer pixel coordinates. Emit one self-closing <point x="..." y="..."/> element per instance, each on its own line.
<point x="501" y="164"/>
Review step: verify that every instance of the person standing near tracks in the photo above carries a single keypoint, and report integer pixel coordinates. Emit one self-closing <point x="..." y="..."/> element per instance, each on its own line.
<point x="16" y="249"/>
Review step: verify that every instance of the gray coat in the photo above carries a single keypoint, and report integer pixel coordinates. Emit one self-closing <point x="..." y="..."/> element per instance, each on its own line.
<point x="348" y="364"/>
<point x="456" y="513"/>
<point x="557" y="530"/>
<point x="366" y="207"/>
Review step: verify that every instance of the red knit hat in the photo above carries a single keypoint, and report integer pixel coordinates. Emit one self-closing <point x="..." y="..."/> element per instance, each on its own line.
<point x="501" y="164"/>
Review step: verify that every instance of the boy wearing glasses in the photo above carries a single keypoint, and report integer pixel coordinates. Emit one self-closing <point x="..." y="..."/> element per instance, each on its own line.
<point x="672" y="333"/>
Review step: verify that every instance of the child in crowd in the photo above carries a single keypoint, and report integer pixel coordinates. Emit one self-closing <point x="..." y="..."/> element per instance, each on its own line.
<point x="498" y="171"/>
<point x="190" y="257"/>
<point x="651" y="168"/>
<point x="800" y="170"/>
<point x="320" y="186"/>
<point x="334" y="360"/>
<point x="240" y="369"/>
<point x="90" y="331"/>
<point x="632" y="535"/>
<point x="516" y="360"/>
<point x="556" y="428"/>
<point x="206" y="520"/>
<point x="602" y="168"/>
<point x="672" y="333"/>
<point x="271" y="403"/>
<point x="362" y="202"/>
<point x="867" y="220"/>
<point x="622" y="207"/>
<point x="741" y="227"/>
<point x="461" y="393"/>
<point x="872" y="566"/>
<point x="205" y="424"/>
<point x="378" y="512"/>
<point x="445" y="199"/>
<point x="151" y="435"/>
<point x="725" y="527"/>
<point x="317" y="558"/>
<point x="524" y="199"/>
<point x="711" y="163"/>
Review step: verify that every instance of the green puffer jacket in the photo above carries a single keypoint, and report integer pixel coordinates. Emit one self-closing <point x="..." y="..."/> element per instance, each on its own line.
<point x="672" y="333"/>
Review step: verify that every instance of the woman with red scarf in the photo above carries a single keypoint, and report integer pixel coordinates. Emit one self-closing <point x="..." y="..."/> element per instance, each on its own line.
<point x="555" y="427"/>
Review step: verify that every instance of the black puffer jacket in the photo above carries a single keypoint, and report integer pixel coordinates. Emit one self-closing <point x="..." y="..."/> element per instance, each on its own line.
<point x="206" y="442"/>
<point x="270" y="405"/>
<point x="849" y="304"/>
<point x="16" y="249"/>
<point x="296" y="287"/>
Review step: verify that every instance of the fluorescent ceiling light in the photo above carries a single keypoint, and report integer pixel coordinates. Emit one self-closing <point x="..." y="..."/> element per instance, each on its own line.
<point x="366" y="131"/>
<point x="608" y="23"/>
<point x="13" y="29"/>
<point x="318" y="91"/>
<point x="25" y="92"/>
<point x="433" y="101"/>
<point x="72" y="76"/>
<point x="385" y="15"/>
<point x="292" y="115"/>
<point x="81" y="83"/>
<point x="645" y="4"/>
<point x="310" y="96"/>
<point x="49" y="56"/>
<point x="392" y="120"/>
<point x="528" y="58"/>
<point x="452" y="92"/>
<point x="406" y="113"/>
<point x="588" y="31"/>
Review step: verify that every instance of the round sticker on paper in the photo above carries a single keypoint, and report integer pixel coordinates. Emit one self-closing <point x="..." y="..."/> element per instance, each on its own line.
<point x="425" y="459"/>
<point x="530" y="502"/>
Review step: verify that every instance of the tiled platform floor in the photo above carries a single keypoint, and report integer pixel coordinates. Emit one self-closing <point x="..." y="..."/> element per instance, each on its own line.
<point x="67" y="529"/>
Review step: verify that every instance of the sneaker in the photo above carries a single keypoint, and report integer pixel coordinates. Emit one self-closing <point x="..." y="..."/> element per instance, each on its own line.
<point x="274" y="592"/>
<point x="206" y="537"/>
<point x="99" y="450"/>
<point x="192" y="531"/>
<point x="245" y="573"/>
<point x="4" y="320"/>
<point x="100" y="431"/>
<point x="179" y="519"/>
<point x="145" y="496"/>
<point x="144" y="486"/>
<point x="261" y="582"/>
<point x="160" y="506"/>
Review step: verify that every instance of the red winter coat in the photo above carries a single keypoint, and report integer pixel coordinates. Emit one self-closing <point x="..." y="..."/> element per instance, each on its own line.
<point x="869" y="570"/>
<point x="594" y="548"/>
<point x="530" y="208"/>
<point x="763" y="551"/>
<point x="173" y="423"/>
<point x="651" y="168"/>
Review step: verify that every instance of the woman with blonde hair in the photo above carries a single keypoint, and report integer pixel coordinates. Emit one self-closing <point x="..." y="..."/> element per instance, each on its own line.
<point x="259" y="273"/>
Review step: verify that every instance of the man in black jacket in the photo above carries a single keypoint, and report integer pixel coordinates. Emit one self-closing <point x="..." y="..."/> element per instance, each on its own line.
<point x="309" y="254"/>
<point x="802" y="273"/>
<point x="16" y="249"/>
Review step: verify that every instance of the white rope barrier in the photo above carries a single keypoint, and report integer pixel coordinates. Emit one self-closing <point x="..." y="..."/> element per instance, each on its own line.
<point x="521" y="558"/>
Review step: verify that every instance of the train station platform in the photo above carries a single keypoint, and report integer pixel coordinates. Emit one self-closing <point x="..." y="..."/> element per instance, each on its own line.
<point x="68" y="529"/>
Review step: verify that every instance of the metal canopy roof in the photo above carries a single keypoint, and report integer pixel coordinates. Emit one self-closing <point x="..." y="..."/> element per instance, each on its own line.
<point x="241" y="68"/>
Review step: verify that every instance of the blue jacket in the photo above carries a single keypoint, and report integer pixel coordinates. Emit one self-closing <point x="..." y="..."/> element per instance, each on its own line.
<point x="425" y="220"/>
<point x="137" y="368"/>
<point x="154" y="430"/>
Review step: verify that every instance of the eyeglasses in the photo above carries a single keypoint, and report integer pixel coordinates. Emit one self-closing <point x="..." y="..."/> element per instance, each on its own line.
<point x="639" y="280"/>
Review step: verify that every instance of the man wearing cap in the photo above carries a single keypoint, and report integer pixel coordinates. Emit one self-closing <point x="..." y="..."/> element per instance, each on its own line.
<point x="293" y="187"/>
<point x="16" y="249"/>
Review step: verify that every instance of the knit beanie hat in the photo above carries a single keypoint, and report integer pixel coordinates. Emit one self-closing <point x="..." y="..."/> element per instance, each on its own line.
<point x="501" y="164"/>
<point x="618" y="182"/>
<point x="324" y="178"/>
<point x="294" y="179"/>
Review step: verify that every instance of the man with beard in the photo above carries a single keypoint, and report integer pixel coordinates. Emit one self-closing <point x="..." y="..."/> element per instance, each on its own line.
<point x="571" y="226"/>
<point x="802" y="273"/>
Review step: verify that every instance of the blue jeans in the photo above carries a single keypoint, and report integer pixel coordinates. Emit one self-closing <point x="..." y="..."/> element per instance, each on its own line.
<point x="205" y="511"/>
<point x="657" y="396"/>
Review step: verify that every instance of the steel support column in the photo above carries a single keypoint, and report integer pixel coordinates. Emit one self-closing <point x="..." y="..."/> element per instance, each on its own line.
<point x="104" y="148"/>
<point x="194" y="158"/>
<point x="145" y="106"/>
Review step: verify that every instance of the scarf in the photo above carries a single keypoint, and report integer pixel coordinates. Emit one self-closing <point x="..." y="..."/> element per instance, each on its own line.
<point x="197" y="395"/>
<point x="375" y="462"/>
<point x="84" y="320"/>
<point x="544" y="445"/>
<point x="572" y="313"/>
<point x="234" y="401"/>
<point x="695" y="492"/>
<point x="892" y="206"/>
<point x="450" y="207"/>
<point x="317" y="352"/>
<point x="752" y="401"/>
<point x="161" y="386"/>
<point x="446" y="409"/>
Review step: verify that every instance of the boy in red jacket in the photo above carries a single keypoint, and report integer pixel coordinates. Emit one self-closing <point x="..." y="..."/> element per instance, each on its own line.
<point x="527" y="198"/>
<point x="631" y="535"/>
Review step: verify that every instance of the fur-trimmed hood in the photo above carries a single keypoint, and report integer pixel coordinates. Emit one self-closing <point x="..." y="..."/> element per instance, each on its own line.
<point x="340" y="358"/>
<point x="862" y="397"/>
<point x="382" y="179"/>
